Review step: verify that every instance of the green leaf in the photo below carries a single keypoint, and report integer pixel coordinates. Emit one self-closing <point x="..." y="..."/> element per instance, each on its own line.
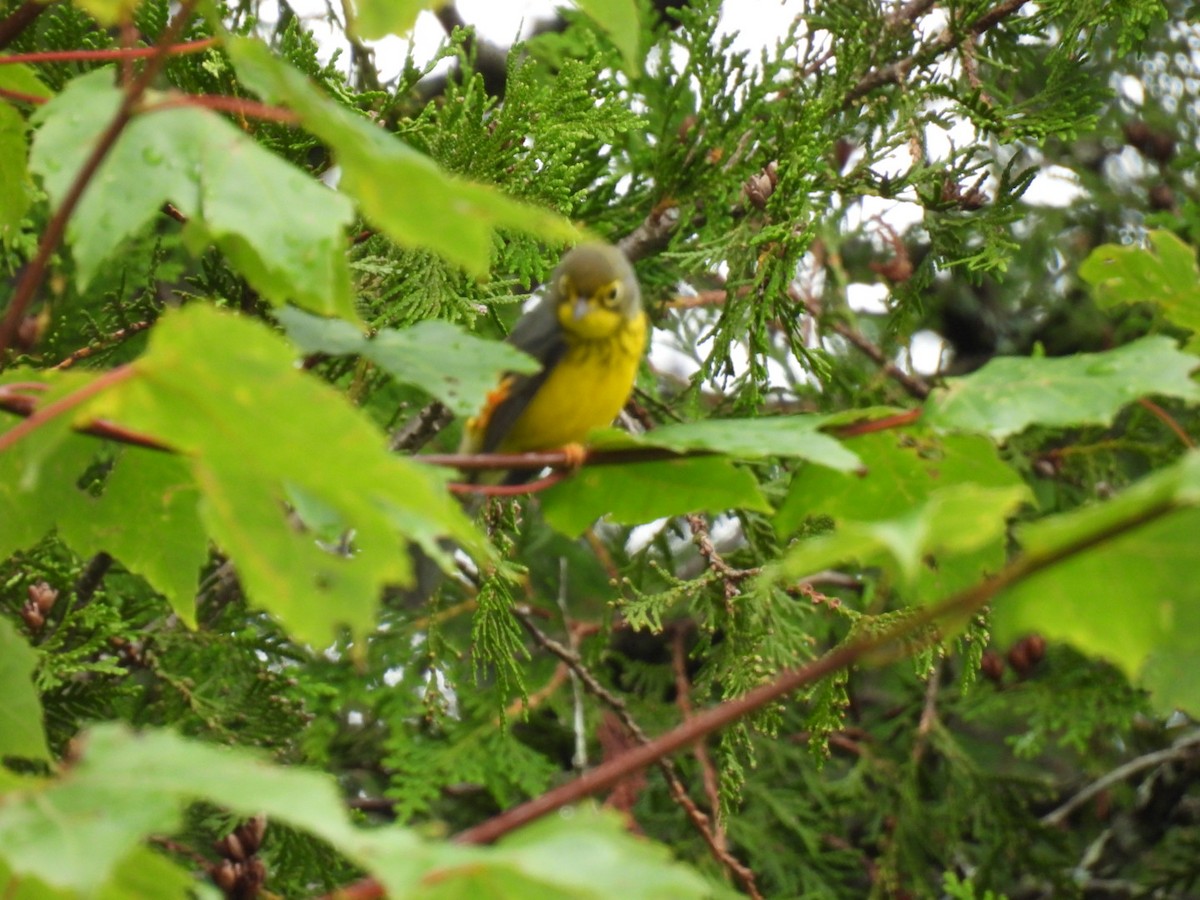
<point x="901" y="469"/>
<point x="15" y="193"/>
<point x="641" y="492"/>
<point x="28" y="888"/>
<point x="1131" y="596"/>
<point x="402" y="192"/>
<point x="248" y="451"/>
<point x="284" y="231"/>
<point x="606" y="860"/>
<point x="1008" y="394"/>
<point x="789" y="436"/>
<point x="1166" y="276"/>
<point x="374" y="19"/>
<point x="21" y="731"/>
<point x="442" y="359"/>
<point x="78" y="831"/>
<point x="22" y="79"/>
<point x="146" y="875"/>
<point x="73" y="832"/>
<point x="147" y="517"/>
<point x="619" y="19"/>
<point x="38" y="479"/>
<point x="957" y="520"/>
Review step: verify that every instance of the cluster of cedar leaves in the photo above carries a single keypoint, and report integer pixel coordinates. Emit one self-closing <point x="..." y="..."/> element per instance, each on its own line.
<point x="883" y="779"/>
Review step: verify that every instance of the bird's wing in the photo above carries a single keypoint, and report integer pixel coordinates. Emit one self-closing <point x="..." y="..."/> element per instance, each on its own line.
<point x="539" y="334"/>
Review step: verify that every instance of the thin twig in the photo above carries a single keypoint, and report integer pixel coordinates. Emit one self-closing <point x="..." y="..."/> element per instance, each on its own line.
<point x="896" y="72"/>
<point x="221" y="103"/>
<point x="729" y="575"/>
<point x="511" y="490"/>
<point x="679" y="793"/>
<point x="683" y="699"/>
<point x="1184" y="748"/>
<point x="421" y="429"/>
<point x="123" y="53"/>
<point x="928" y="713"/>
<point x="1163" y="416"/>
<point x="22" y="97"/>
<point x="579" y="757"/>
<point x="913" y="384"/>
<point x="23" y="405"/>
<point x="117" y="336"/>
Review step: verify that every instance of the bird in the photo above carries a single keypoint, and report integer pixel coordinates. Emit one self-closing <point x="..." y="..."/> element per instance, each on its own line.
<point x="589" y="334"/>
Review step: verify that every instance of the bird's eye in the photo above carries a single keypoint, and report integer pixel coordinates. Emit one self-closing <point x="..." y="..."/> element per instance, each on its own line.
<point x="608" y="296"/>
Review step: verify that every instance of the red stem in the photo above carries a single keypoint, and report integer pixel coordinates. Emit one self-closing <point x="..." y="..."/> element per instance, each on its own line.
<point x="21" y="97"/>
<point x="222" y="103"/>
<point x="63" y="404"/>
<point x="60" y="56"/>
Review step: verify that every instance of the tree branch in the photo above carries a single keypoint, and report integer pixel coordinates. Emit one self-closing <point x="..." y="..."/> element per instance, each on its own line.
<point x="896" y="640"/>
<point x="1184" y="748"/>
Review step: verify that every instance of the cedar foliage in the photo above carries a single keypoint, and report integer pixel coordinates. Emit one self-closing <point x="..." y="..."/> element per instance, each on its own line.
<point x="914" y="775"/>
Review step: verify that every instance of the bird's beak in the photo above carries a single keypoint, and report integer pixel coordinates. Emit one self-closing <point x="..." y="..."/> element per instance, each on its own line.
<point x="580" y="308"/>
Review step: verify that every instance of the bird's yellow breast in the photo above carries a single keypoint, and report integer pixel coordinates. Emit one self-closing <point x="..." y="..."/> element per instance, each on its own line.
<point x="584" y="390"/>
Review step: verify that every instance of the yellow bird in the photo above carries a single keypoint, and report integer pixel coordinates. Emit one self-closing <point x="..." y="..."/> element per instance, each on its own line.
<point x="589" y="334"/>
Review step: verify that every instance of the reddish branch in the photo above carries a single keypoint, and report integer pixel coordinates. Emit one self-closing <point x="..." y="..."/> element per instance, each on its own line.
<point x="1163" y="416"/>
<point x="17" y="399"/>
<point x="57" y="407"/>
<point x="22" y="97"/>
<point x="236" y="105"/>
<point x="52" y="237"/>
<point x="913" y="384"/>
<point x="116" y="337"/>
<point x="122" y="53"/>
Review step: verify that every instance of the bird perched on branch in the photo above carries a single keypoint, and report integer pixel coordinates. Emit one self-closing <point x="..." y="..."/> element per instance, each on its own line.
<point x="589" y="334"/>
